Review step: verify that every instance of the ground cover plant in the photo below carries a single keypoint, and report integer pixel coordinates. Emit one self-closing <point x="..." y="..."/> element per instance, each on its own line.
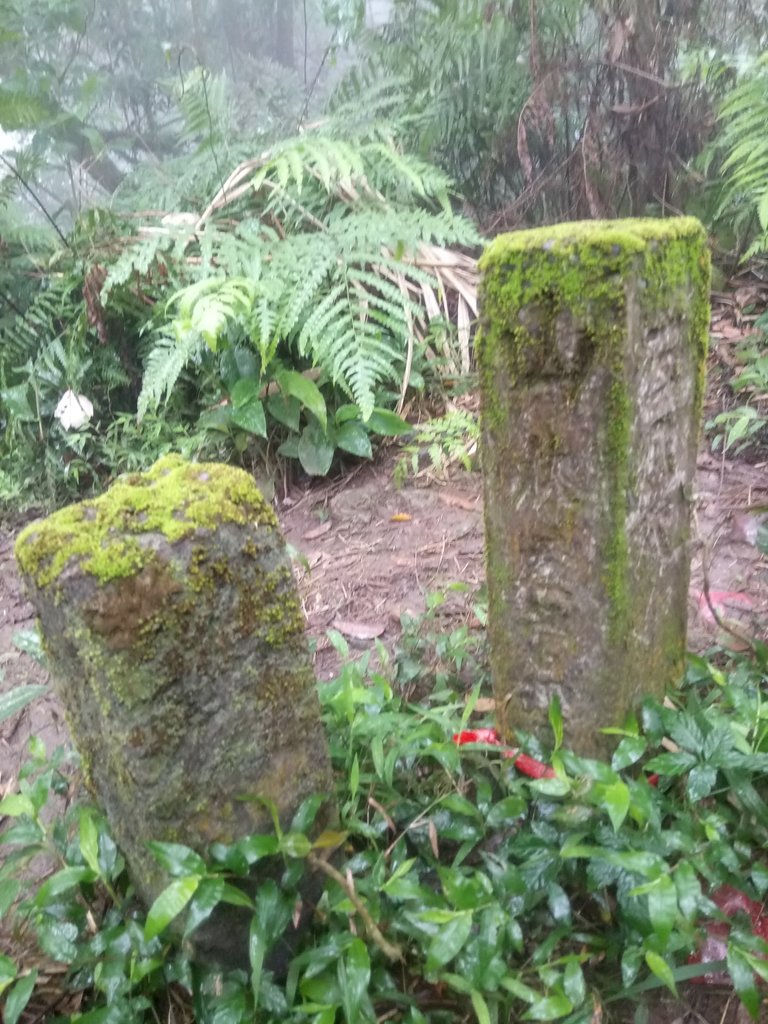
<point x="455" y="887"/>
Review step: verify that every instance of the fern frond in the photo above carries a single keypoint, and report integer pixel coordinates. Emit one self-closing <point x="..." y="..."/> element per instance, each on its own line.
<point x="744" y="114"/>
<point x="163" y="366"/>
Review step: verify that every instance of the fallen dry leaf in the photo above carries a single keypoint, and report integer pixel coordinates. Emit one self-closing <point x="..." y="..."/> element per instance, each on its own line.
<point x="359" y="630"/>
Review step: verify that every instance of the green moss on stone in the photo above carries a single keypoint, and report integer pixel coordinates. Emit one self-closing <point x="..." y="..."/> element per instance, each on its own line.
<point x="174" y="498"/>
<point x="581" y="268"/>
<point x="530" y="278"/>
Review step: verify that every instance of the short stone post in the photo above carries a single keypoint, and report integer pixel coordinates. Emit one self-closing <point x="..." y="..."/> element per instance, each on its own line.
<point x="591" y="352"/>
<point x="176" y="640"/>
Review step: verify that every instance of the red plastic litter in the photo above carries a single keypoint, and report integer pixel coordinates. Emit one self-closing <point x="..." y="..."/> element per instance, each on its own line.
<point x="523" y="762"/>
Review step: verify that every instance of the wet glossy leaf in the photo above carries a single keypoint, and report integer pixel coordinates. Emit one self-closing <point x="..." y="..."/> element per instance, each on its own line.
<point x="17" y="998"/>
<point x="245" y="391"/>
<point x="506" y="812"/>
<point x="701" y="781"/>
<point x="449" y="941"/>
<point x="688" y="888"/>
<point x="388" y="424"/>
<point x="89" y="841"/>
<point x="556" y="721"/>
<point x="574" y="985"/>
<point x="295" y="844"/>
<point x="615" y="798"/>
<point x="315" y="451"/>
<point x="659" y="966"/>
<point x="662" y="907"/>
<point x="352" y="437"/>
<point x="285" y="410"/>
<point x="296" y="385"/>
<point x="58" y="939"/>
<point x="251" y="418"/>
<point x="628" y="752"/>
<point x="169" y="904"/>
<point x="480" y="1007"/>
<point x="743" y="978"/>
<point x="178" y="860"/>
<point x="354" y="974"/>
<point x="207" y="896"/>
<point x="62" y="882"/>
<point x="549" y="1008"/>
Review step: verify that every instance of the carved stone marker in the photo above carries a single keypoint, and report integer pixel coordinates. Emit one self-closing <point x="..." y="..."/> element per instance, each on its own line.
<point x="176" y="640"/>
<point x="591" y="353"/>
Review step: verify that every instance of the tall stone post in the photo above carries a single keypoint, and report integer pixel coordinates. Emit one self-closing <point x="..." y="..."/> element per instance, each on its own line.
<point x="176" y="641"/>
<point x="591" y="352"/>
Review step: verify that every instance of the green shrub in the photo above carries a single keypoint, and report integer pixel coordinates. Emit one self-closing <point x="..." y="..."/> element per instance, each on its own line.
<point x="458" y="887"/>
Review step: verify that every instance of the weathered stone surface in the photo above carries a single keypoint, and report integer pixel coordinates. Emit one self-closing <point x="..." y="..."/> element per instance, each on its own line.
<point x="591" y="353"/>
<point x="177" y="645"/>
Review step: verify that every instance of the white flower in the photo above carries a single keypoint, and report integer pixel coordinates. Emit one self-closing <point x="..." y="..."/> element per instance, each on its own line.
<point x="73" y="411"/>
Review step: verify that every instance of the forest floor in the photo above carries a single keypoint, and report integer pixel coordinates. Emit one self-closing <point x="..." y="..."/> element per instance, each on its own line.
<point x="368" y="553"/>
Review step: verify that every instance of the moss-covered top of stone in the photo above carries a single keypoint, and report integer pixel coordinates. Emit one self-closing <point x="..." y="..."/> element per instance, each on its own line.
<point x="173" y="498"/>
<point x="631" y="235"/>
<point x="581" y="267"/>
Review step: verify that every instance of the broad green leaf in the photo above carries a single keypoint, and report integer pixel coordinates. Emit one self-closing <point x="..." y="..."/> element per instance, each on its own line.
<point x="89" y="841"/>
<point x="480" y="1007"/>
<point x="659" y="966"/>
<point x="672" y="764"/>
<point x="57" y="939"/>
<point x="245" y="391"/>
<point x="62" y="882"/>
<point x="630" y="750"/>
<point x="556" y="721"/>
<point x="574" y="985"/>
<point x="251" y="418"/>
<point x="17" y="998"/>
<point x="615" y="798"/>
<point x="352" y="437"/>
<point x="688" y="888"/>
<point x="354" y="776"/>
<point x="449" y="941"/>
<point x="743" y="978"/>
<point x="700" y="782"/>
<point x="399" y="872"/>
<point x="559" y="903"/>
<point x="294" y="844"/>
<point x="285" y="410"/>
<point x="388" y="424"/>
<point x="18" y="698"/>
<point x="258" y="945"/>
<point x="507" y="811"/>
<point x="662" y="907"/>
<point x="548" y="1008"/>
<point x="207" y="896"/>
<point x="178" y="860"/>
<point x="169" y="904"/>
<point x="17" y="805"/>
<point x="8" y="972"/>
<point x="354" y="974"/>
<point x="315" y="451"/>
<point x="296" y="385"/>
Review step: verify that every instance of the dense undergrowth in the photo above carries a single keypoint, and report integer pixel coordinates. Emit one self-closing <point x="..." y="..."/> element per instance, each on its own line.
<point x="456" y="888"/>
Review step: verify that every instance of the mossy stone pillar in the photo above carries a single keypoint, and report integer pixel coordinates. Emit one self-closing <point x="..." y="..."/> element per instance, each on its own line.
<point x="176" y="641"/>
<point x="591" y="352"/>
